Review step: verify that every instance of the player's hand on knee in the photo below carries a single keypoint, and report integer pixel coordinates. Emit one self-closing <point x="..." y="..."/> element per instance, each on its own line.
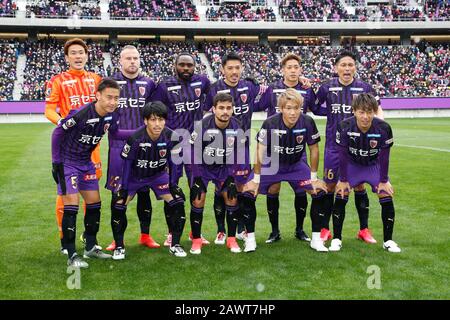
<point x="318" y="185"/>
<point x="252" y="187"/>
<point x="176" y="192"/>
<point x="385" y="187"/>
<point x="342" y="188"/>
<point x="230" y="184"/>
<point x="57" y="172"/>
<point x="121" y="196"/>
<point x="198" y="187"/>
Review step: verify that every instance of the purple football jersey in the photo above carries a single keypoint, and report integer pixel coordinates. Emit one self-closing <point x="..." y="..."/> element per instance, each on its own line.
<point x="269" y="99"/>
<point x="185" y="100"/>
<point x="338" y="104"/>
<point x="364" y="148"/>
<point x="287" y="143"/>
<point x="79" y="133"/>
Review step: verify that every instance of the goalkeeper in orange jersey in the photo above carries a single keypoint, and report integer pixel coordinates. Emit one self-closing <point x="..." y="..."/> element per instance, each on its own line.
<point x="70" y="90"/>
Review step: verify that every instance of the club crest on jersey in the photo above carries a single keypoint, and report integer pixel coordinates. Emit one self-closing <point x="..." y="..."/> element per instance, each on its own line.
<point x="244" y="97"/>
<point x="162" y="153"/>
<point x="142" y="91"/>
<point x="299" y="139"/>
<point x="106" y="127"/>
<point x="373" y="143"/>
<point x="230" y="141"/>
<point x="92" y="87"/>
<point x="198" y="92"/>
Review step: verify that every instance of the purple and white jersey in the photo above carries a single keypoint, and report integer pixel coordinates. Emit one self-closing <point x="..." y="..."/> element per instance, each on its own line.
<point x="146" y="158"/>
<point x="216" y="147"/>
<point x="364" y="148"/>
<point x="246" y="97"/>
<point x="185" y="100"/>
<point x="287" y="143"/>
<point x="338" y="99"/>
<point x="79" y="133"/>
<point x="134" y="94"/>
<point x="270" y="97"/>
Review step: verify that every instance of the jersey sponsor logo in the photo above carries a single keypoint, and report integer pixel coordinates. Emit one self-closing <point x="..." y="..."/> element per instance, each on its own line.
<point x="88" y="80"/>
<point x="69" y="123"/>
<point x="106" y="127"/>
<point x="90" y="177"/>
<point x="212" y="131"/>
<point x="198" y="83"/>
<point x="353" y="134"/>
<point x="278" y="90"/>
<point x="242" y="89"/>
<point x="224" y="91"/>
<point x="334" y="89"/>
<point x="373" y="143"/>
<point x="357" y="89"/>
<point x="93" y="120"/>
<point x="126" y="149"/>
<point x="121" y="82"/>
<point x="299" y="139"/>
<point x="231" y="132"/>
<point x="162" y="153"/>
<point x="142" y="91"/>
<point x="374" y="135"/>
<point x="299" y="130"/>
<point x="145" y="144"/>
<point x="279" y="132"/>
<point x="108" y="118"/>
<point x="198" y="92"/>
<point x="141" y="82"/>
<point x="302" y="91"/>
<point x="230" y="141"/>
<point x="173" y="88"/>
<point x="244" y="97"/>
<point x="162" y="144"/>
<point x="69" y="83"/>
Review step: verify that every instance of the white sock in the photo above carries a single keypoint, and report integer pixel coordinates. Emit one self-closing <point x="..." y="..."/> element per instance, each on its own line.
<point x="251" y="236"/>
<point x="316" y="236"/>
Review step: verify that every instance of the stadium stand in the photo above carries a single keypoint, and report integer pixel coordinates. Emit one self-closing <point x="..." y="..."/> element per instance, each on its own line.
<point x="184" y="10"/>
<point x="63" y="9"/>
<point x="308" y="10"/>
<point x="437" y="10"/>
<point x="241" y="12"/>
<point x="8" y="8"/>
<point x="9" y="51"/>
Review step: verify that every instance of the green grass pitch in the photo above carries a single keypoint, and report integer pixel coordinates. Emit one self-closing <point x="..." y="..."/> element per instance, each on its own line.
<point x="31" y="266"/>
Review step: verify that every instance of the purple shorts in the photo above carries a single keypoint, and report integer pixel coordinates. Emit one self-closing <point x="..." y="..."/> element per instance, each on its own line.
<point x="298" y="177"/>
<point x="358" y="174"/>
<point x="331" y="165"/>
<point x="79" y="178"/>
<point x="159" y="183"/>
<point x="217" y="176"/>
<point x="115" y="168"/>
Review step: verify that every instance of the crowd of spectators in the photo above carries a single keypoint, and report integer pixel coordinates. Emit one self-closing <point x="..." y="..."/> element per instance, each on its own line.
<point x="157" y="60"/>
<point x="184" y="10"/>
<point x="9" y="51"/>
<point x="240" y="12"/>
<point x="400" y="71"/>
<point x="313" y="11"/>
<point x="437" y="10"/>
<point x="8" y="8"/>
<point x="58" y="9"/>
<point x="45" y="58"/>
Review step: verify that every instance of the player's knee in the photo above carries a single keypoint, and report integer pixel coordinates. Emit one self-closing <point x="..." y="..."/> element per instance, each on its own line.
<point x="359" y="188"/>
<point x="331" y="187"/>
<point x="274" y="189"/>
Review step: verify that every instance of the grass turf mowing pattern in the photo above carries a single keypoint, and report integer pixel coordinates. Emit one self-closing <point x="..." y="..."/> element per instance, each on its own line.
<point x="32" y="267"/>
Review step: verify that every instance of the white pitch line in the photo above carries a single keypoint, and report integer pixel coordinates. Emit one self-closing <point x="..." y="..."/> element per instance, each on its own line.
<point x="422" y="147"/>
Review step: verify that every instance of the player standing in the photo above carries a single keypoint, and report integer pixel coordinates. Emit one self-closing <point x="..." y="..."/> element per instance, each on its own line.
<point x="364" y="146"/>
<point x="135" y="91"/>
<point x="67" y="91"/>
<point x="338" y="94"/>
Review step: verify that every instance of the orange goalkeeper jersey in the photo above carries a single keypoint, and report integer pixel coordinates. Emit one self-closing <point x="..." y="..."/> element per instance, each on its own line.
<point x="69" y="90"/>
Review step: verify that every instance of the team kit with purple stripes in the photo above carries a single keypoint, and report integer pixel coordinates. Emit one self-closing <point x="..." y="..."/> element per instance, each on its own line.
<point x="185" y="121"/>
